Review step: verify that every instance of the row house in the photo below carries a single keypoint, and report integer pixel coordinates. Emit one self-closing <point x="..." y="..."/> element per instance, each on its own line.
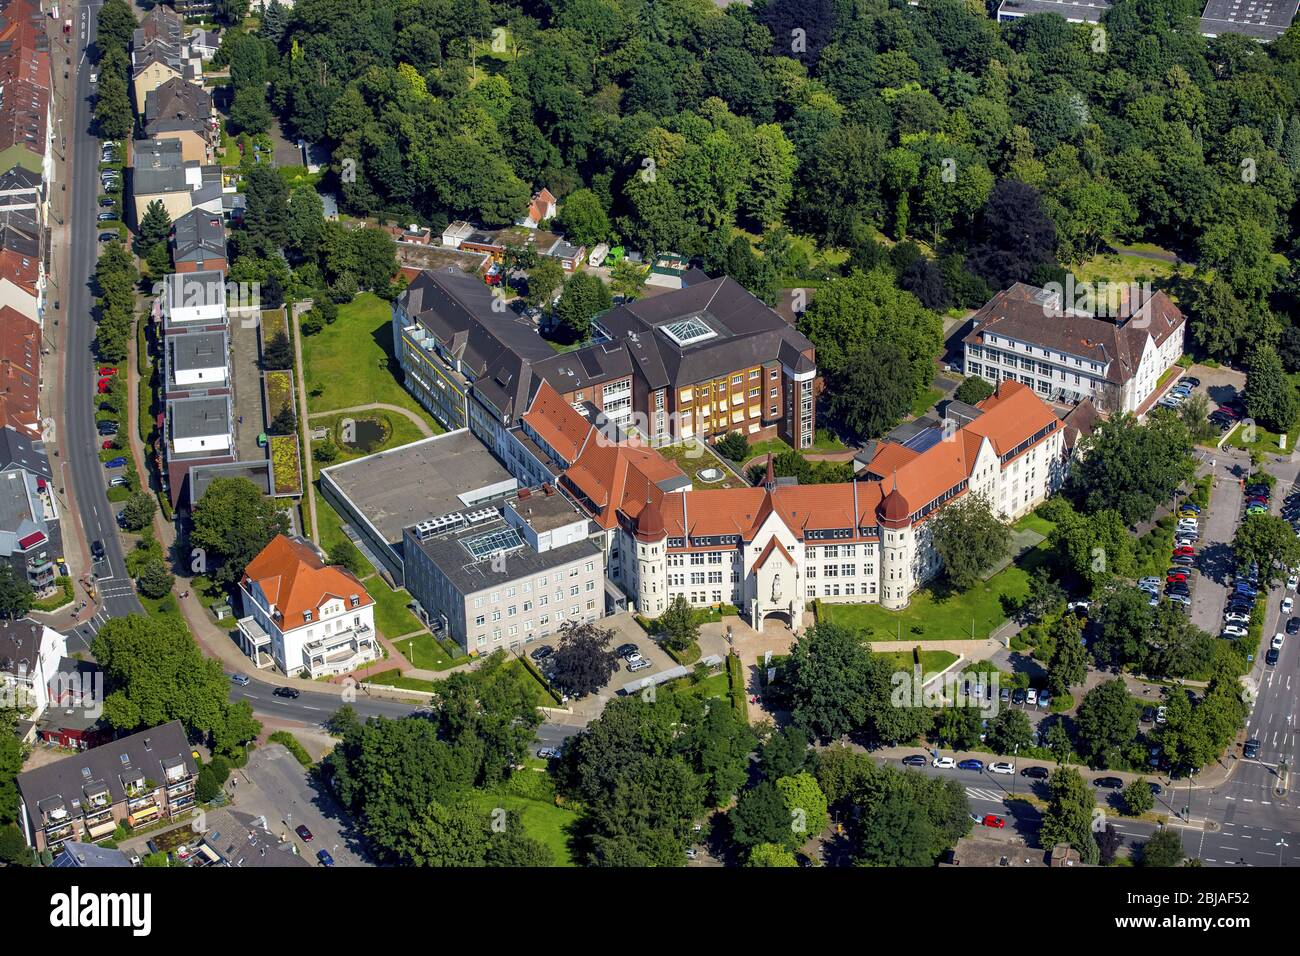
<point x="132" y="781"/>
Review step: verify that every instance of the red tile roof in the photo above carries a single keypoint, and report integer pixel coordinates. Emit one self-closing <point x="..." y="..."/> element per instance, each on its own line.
<point x="294" y="579"/>
<point x="619" y="478"/>
<point x="558" y="423"/>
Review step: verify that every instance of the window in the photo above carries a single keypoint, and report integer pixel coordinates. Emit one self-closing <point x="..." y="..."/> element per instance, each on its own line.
<point x="737" y="380"/>
<point x="480" y="620"/>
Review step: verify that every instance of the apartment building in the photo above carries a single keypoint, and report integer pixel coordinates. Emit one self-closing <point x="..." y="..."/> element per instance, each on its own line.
<point x="184" y="112"/>
<point x="1029" y="335"/>
<point x="30" y="534"/>
<point x="30" y="656"/>
<point x="198" y="242"/>
<point x="304" y="616"/>
<point x="774" y="548"/>
<point x="505" y="575"/>
<point x="134" y="781"/>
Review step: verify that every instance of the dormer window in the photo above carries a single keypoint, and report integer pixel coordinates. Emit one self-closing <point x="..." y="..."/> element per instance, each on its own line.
<point x="306" y="616"/>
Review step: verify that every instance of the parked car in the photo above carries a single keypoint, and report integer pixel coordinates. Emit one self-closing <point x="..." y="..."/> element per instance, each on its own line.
<point x="548" y="753"/>
<point x="289" y="693"/>
<point x="1044" y="699"/>
<point x="1001" y="767"/>
<point x="1234" y="631"/>
<point x="625" y="649"/>
<point x="117" y="462"/>
<point x="1161" y="711"/>
<point x="107" y="201"/>
<point x="1183" y="559"/>
<point x="914" y="760"/>
<point x="994" y="821"/>
<point x="1232" y="617"/>
<point x="105" y="217"/>
<point x="541" y="653"/>
<point x="107" y="236"/>
<point x="1277" y="642"/>
<point x="971" y="764"/>
<point x="1019" y="697"/>
<point x="324" y="857"/>
<point x="635" y="666"/>
<point x="1191" y="381"/>
<point x="1152" y="581"/>
<point x="1148" y="714"/>
<point x="1109" y="783"/>
<point x="1036" y="773"/>
<point x="1031" y="696"/>
<point x="303" y="833"/>
<point x="1184" y="551"/>
<point x="943" y="763"/>
<point x="1156" y="789"/>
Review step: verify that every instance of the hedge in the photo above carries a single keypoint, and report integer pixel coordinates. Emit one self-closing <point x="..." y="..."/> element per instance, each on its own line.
<point x="290" y="742"/>
<point x="736" y="687"/>
<point x="532" y="669"/>
<point x="58" y="600"/>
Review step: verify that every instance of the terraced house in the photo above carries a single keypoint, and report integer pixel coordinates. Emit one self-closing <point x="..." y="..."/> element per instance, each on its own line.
<point x="771" y="549"/>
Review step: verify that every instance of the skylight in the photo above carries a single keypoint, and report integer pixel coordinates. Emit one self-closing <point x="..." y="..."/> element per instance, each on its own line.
<point x="688" y="331"/>
<point x="493" y="542"/>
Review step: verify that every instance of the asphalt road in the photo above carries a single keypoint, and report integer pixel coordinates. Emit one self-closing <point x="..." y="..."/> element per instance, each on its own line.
<point x="80" y="445"/>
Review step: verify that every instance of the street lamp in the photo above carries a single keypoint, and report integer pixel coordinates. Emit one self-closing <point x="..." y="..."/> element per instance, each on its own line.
<point x="1280" y="843"/>
<point x="1015" y="767"/>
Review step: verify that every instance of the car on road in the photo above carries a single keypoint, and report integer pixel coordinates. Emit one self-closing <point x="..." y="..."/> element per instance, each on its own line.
<point x="943" y="763"/>
<point x="1109" y="783"/>
<point x="1234" y="631"/>
<point x="1272" y="657"/>
<point x="97" y="550"/>
<point x="971" y="764"/>
<point x="1287" y="605"/>
<point x="994" y="821"/>
<point x="240" y="679"/>
<point x="1293" y="625"/>
<point x="914" y="760"/>
<point x="1156" y="789"/>
<point x="1001" y="767"/>
<point x="324" y="857"/>
<point x="1036" y="773"/>
<point x="290" y="693"/>
<point x="1278" y="641"/>
<point x="548" y="753"/>
<point x="541" y="653"/>
<point x="303" y="833"/>
<point x="1251" y="749"/>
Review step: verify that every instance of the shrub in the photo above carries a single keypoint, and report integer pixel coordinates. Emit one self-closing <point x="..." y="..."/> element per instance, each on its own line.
<point x="290" y="743"/>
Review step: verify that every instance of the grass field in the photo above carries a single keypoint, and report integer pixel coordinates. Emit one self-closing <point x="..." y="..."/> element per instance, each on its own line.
<point x="351" y="361"/>
<point x="924" y="402"/>
<point x="401" y="431"/>
<point x="932" y="662"/>
<point x="330" y="528"/>
<point x="1261" y="439"/>
<point x="394" y="678"/>
<point x="391" y="616"/>
<point x="424" y="652"/>
<point x="542" y="820"/>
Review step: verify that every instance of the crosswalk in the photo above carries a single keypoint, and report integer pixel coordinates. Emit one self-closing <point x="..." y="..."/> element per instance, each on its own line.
<point x="985" y="796"/>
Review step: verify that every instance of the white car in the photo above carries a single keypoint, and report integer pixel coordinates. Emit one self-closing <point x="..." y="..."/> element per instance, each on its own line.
<point x="1234" y="630"/>
<point x="1287" y="604"/>
<point x="1277" y="642"/>
<point x="1292" y="582"/>
<point x="1233" y="618"/>
<point x="1031" y="696"/>
<point x="943" y="763"/>
<point x="1161" y="712"/>
<point x="1004" y="768"/>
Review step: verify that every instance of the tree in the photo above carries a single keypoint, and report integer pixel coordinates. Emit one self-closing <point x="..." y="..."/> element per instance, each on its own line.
<point x="584" y="297"/>
<point x="112" y="106"/>
<point x="805" y="805"/>
<point x="1266" y="540"/>
<point x="584" y="661"/>
<point x="345" y="554"/>
<point x="155" y="225"/>
<point x="678" y="625"/>
<point x="1009" y="731"/>
<point x="232" y="522"/>
<point x="1122" y="619"/>
<point x="828" y="671"/>
<point x="1068" y="817"/>
<point x="278" y="354"/>
<point x="1133" y="468"/>
<point x="627" y="278"/>
<point x="1109" y="842"/>
<point x="584" y="219"/>
<point x="973" y="390"/>
<point x="285" y="422"/>
<point x="868" y="397"/>
<point x="114" y="25"/>
<point x="1017" y="236"/>
<point x="1107" y="721"/>
<point x="784" y="754"/>
<point x="11" y="764"/>
<point x="139" y="510"/>
<point x="15" y="593"/>
<point x="1045" y="595"/>
<point x="1164" y="849"/>
<point x="761" y="816"/>
<point x="1138" y="798"/>
<point x="154" y="580"/>
<point x="770" y="854"/>
<point x="733" y="445"/>
<point x="275" y="21"/>
<point x="970" y="540"/>
<point x="898" y="833"/>
<point x="544" y="280"/>
<point x="1069" y="661"/>
<point x="1270" y="397"/>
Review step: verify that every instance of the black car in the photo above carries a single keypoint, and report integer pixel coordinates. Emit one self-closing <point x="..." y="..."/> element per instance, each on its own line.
<point x="1019" y="697"/>
<point x="287" y="692"/>
<point x="1148" y="714"/>
<point x="1109" y="783"/>
<point x="1293" y="625"/>
<point x="1272" y="656"/>
<point x="625" y="649"/>
<point x="106" y="201"/>
<point x="1156" y="789"/>
<point x="1251" y="750"/>
<point x="107" y="236"/>
<point x="541" y="653"/>
<point x="1035" y="773"/>
<point x="97" y="550"/>
<point x="1191" y="380"/>
<point x="914" y="760"/>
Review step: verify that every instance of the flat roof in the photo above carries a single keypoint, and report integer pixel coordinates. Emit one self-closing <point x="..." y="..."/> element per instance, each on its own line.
<point x="426" y="479"/>
<point x="465" y="558"/>
<point x="545" y="512"/>
<point x="198" y="350"/>
<point x="199" y="417"/>
<point x="1260" y="19"/>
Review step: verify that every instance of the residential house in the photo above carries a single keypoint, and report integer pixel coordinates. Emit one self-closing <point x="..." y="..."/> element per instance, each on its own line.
<point x="132" y="781"/>
<point x="73" y="717"/>
<point x="30" y="534"/>
<point x="234" y="838"/>
<point x="158" y="173"/>
<point x="183" y="111"/>
<point x="26" y="124"/>
<point x="204" y="43"/>
<point x="304" y="616"/>
<point x="569" y="256"/>
<point x="153" y="66"/>
<point x="192" y="301"/>
<point x="540" y="209"/>
<point x="196" y="364"/>
<point x="77" y="855"/>
<point x="198" y="430"/>
<point x="197" y="9"/>
<point x="198" y="241"/>
<point x="22" y="267"/>
<point x="20" y="370"/>
<point x="30" y="653"/>
<point x="1066" y="354"/>
<point x="22" y="190"/>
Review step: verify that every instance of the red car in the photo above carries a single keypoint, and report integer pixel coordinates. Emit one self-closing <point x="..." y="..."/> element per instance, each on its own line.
<point x="107" y="370"/>
<point x="303" y="832"/>
<point x="994" y="821"/>
<point x="1176" y="578"/>
<point x="1185" y="549"/>
<point x="1229" y="411"/>
<point x="106" y="444"/>
<point x="103" y="385"/>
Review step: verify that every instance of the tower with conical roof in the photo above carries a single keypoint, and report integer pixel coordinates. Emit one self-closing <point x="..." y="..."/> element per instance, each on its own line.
<point x="651" y="562"/>
<point x="897" y="544"/>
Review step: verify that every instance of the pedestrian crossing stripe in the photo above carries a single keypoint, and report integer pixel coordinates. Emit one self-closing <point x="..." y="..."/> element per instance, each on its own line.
<point x="992" y="796"/>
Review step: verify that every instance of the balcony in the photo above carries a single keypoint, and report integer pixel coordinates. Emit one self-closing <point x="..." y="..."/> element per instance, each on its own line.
<point x="339" y="652"/>
<point x="256" y="643"/>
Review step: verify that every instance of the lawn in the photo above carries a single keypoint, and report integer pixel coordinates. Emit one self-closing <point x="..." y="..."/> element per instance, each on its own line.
<point x="542" y="819"/>
<point x="932" y="662"/>
<point x="1264" y="440"/>
<point x="394" y="678"/>
<point x="329" y="527"/>
<point x="424" y="652"/>
<point x="391" y="616"/>
<point x="1123" y="268"/>
<point x="938" y="614"/>
<point x="691" y="458"/>
<point x="351" y="362"/>
<point x="541" y="696"/>
<point x="399" y="430"/>
<point x="925" y="401"/>
<point x="715" y="685"/>
<point x="824" y="441"/>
